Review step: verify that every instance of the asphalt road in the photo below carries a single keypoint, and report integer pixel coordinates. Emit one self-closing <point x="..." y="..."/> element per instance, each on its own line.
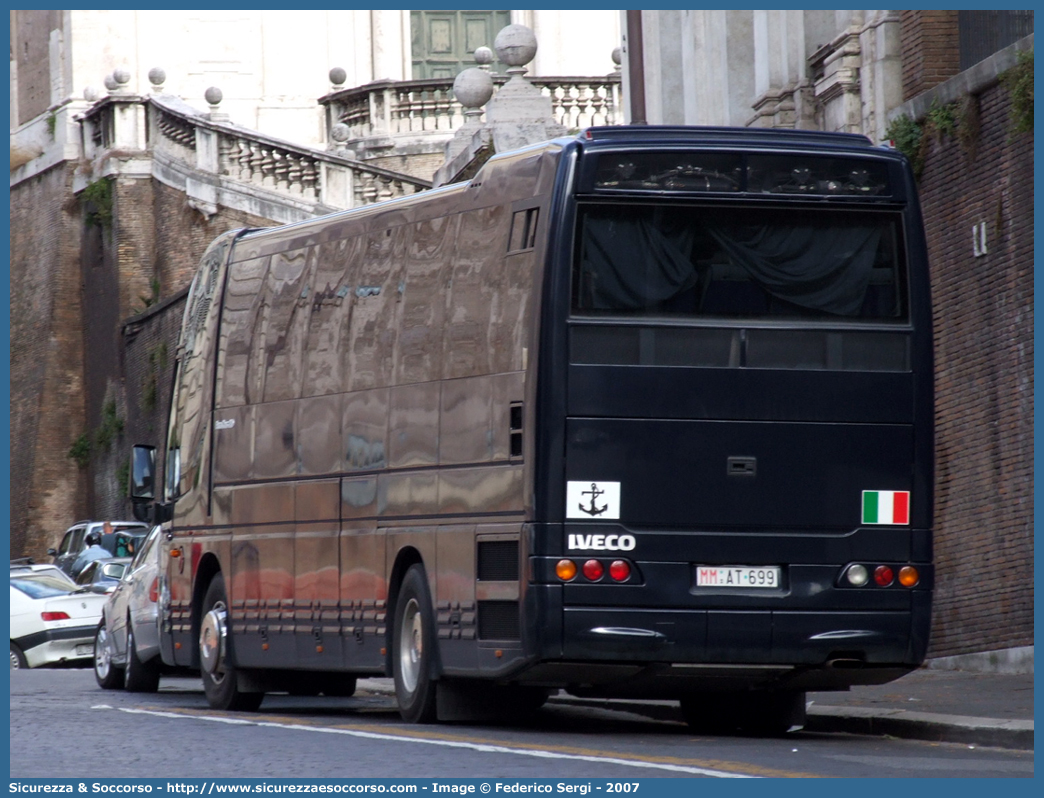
<point x="174" y="734"/>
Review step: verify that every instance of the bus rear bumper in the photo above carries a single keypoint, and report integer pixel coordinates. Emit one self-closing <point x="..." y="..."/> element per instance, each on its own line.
<point x="667" y="681"/>
<point x="766" y="637"/>
<point x="664" y="653"/>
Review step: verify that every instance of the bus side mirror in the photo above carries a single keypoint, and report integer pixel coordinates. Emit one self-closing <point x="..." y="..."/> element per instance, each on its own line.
<point x="143" y="469"/>
<point x="142" y="482"/>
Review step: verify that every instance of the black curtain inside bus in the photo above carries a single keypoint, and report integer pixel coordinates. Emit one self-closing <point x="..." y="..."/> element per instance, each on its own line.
<point x="749" y="262"/>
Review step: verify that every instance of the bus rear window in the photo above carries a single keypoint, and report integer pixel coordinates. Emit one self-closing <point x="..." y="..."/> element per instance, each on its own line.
<point x="738" y="262"/>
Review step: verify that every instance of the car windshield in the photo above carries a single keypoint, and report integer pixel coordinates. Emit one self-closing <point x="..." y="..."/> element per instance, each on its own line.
<point x="42" y="585"/>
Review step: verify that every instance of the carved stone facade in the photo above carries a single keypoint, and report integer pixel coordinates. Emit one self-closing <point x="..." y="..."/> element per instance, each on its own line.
<point x="271" y="65"/>
<point x="827" y="70"/>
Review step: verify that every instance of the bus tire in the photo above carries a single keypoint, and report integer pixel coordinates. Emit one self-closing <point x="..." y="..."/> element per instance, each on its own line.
<point x="759" y="714"/>
<point x="704" y="715"/>
<point x="108" y="675"/>
<point x="773" y="713"/>
<point x="217" y="656"/>
<point x="413" y="646"/>
<point x="304" y="687"/>
<point x="339" y="685"/>
<point x="139" y="677"/>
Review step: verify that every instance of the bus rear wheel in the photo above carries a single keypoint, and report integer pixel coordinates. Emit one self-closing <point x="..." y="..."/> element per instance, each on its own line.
<point x="413" y="646"/>
<point x="339" y="685"/>
<point x="762" y="714"/>
<point x="217" y="657"/>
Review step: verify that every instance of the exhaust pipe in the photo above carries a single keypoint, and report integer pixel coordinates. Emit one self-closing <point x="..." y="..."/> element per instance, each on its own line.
<point x="845" y="663"/>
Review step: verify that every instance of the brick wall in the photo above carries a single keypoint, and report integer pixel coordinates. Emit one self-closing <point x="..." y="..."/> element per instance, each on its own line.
<point x="930" y="49"/>
<point x="47" y="411"/>
<point x="984" y="383"/>
<point x="130" y="347"/>
<point x="31" y="50"/>
<point x="148" y="343"/>
<point x="182" y="234"/>
<point x="73" y="285"/>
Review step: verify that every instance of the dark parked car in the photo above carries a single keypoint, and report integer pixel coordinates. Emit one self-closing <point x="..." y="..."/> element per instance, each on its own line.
<point x="119" y="538"/>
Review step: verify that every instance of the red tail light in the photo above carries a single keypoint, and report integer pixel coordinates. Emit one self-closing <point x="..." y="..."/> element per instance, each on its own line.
<point x="154" y="590"/>
<point x="593" y="570"/>
<point x="619" y="570"/>
<point x="883" y="575"/>
<point x="55" y="616"/>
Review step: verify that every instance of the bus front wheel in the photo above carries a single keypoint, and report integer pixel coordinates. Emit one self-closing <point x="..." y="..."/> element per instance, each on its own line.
<point x="413" y="648"/>
<point x="216" y="656"/>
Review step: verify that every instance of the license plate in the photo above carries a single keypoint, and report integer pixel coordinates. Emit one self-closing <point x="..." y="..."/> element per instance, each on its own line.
<point x="85" y="650"/>
<point x="742" y="576"/>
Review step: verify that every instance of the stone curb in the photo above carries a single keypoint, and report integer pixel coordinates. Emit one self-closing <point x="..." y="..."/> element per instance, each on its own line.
<point x="986" y="732"/>
<point x="989" y="732"/>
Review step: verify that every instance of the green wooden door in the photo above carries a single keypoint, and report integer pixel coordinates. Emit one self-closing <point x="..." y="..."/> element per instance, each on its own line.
<point x="444" y="42"/>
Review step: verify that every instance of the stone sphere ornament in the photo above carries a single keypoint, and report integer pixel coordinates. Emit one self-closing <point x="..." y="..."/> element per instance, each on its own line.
<point x="122" y="78"/>
<point x="473" y="87"/>
<point x="157" y="77"/>
<point x="213" y="95"/>
<point x="110" y="83"/>
<point x="516" y="45"/>
<point x="338" y="76"/>
<point x="340" y="132"/>
<point x="483" y="56"/>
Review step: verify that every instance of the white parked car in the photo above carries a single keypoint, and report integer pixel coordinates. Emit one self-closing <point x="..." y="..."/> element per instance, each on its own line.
<point x="52" y="618"/>
<point x="126" y="649"/>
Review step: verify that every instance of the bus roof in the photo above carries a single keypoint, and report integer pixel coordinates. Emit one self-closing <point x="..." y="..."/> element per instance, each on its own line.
<point x="735" y="136"/>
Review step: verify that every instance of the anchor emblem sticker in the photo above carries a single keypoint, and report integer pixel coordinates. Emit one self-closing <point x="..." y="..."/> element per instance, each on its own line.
<point x="593" y="500"/>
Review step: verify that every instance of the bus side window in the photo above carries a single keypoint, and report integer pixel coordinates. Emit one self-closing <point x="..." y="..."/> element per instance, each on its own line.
<point x="329" y="308"/>
<point x="285" y="325"/>
<point x="239" y="317"/>
<point x="469" y="344"/>
<point x="523" y="229"/>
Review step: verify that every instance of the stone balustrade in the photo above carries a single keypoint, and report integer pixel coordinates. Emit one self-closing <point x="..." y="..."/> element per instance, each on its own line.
<point x="217" y="162"/>
<point x="394" y="108"/>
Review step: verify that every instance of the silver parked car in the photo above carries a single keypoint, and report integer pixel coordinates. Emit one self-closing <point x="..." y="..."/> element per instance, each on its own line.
<point x="102" y="576"/>
<point x="126" y="647"/>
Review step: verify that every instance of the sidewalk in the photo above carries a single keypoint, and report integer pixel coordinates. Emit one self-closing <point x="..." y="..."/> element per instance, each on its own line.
<point x="988" y="709"/>
<point x="984" y="709"/>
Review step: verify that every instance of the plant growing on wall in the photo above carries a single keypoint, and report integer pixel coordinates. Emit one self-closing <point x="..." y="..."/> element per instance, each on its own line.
<point x="154" y="294"/>
<point x="1019" y="82"/>
<point x="150" y="382"/>
<point x="97" y="200"/>
<point x="123" y="478"/>
<point x="80" y="451"/>
<point x="111" y="426"/>
<point x="908" y="137"/>
<point x="941" y="120"/>
<point x="969" y="125"/>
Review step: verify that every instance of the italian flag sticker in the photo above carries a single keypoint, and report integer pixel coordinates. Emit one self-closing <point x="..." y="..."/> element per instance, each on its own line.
<point x="886" y="507"/>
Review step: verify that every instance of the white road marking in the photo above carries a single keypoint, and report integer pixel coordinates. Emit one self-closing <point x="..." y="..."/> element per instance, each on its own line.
<point x="483" y="747"/>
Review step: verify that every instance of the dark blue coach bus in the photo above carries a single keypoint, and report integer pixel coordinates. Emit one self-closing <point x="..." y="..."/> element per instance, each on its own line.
<point x="645" y="412"/>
